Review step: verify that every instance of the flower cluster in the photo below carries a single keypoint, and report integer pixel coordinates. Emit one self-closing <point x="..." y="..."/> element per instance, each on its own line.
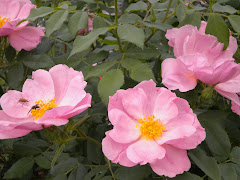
<point x="200" y="56"/>
<point x="20" y="36"/>
<point x="49" y="98"/>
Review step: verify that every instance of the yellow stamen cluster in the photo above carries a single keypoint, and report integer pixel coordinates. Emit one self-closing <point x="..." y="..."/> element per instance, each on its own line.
<point x="3" y="21"/>
<point x="150" y="128"/>
<point x="42" y="107"/>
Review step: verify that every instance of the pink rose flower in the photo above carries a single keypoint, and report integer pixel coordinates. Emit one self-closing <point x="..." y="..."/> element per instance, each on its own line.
<point x="20" y="36"/>
<point x="198" y="57"/>
<point x="151" y="125"/>
<point x="49" y="98"/>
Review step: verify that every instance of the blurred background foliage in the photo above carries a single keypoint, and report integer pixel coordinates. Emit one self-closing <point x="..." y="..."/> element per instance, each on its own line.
<point x="126" y="46"/>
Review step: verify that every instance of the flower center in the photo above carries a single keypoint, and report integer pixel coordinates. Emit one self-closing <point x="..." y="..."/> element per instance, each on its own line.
<point x="150" y="128"/>
<point x="41" y="107"/>
<point x="3" y="21"/>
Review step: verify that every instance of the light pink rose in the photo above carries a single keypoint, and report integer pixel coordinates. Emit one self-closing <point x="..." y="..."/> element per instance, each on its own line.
<point x="49" y="98"/>
<point x="198" y="57"/>
<point x="20" y="36"/>
<point x="151" y="125"/>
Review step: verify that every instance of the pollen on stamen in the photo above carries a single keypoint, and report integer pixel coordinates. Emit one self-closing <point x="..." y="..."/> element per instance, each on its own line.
<point x="151" y="128"/>
<point x="3" y="21"/>
<point x="38" y="113"/>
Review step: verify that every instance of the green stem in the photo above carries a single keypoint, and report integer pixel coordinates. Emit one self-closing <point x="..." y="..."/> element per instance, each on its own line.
<point x="110" y="168"/>
<point x="150" y="36"/>
<point x="85" y="137"/>
<point x="166" y="15"/>
<point x="116" y="12"/>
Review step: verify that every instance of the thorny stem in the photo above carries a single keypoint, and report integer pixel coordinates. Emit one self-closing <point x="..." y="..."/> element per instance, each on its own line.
<point x="116" y="23"/>
<point x="85" y="137"/>
<point x="166" y="15"/>
<point x="110" y="168"/>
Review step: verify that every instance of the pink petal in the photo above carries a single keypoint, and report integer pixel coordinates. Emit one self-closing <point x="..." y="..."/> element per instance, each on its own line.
<point x="125" y="130"/>
<point x="175" y="162"/>
<point x="183" y="106"/>
<point x="115" y="101"/>
<point x="40" y="87"/>
<point x="14" y="133"/>
<point x="144" y="151"/>
<point x="26" y="38"/>
<point x="125" y="161"/>
<point x="6" y="29"/>
<point x="175" y="75"/>
<point x="62" y="75"/>
<point x="235" y="108"/>
<point x="165" y="108"/>
<point x="176" y="133"/>
<point x="6" y="120"/>
<point x="10" y="10"/>
<point x="232" y="96"/>
<point x="133" y="102"/>
<point x="80" y="107"/>
<point x="11" y="105"/>
<point x="52" y="122"/>
<point x="231" y="86"/>
<point x="25" y="10"/>
<point x="75" y="92"/>
<point x="111" y="148"/>
<point x="192" y="141"/>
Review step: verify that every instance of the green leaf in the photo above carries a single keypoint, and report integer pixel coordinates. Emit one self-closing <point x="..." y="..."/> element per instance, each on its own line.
<point x="216" y="138"/>
<point x="77" y="21"/>
<point x="226" y="8"/>
<point x="187" y="176"/>
<point x="131" y="34"/>
<point x="26" y="149"/>
<point x="39" y="12"/>
<point x="78" y="173"/>
<point x="61" y="177"/>
<point x="15" y="75"/>
<point x="139" y="71"/>
<point x="129" y="18"/>
<point x="160" y="26"/>
<point x="19" y="168"/>
<point x="213" y="116"/>
<point x="235" y="22"/>
<point x="97" y="57"/>
<point x="82" y="43"/>
<point x="130" y="173"/>
<point x="111" y="81"/>
<point x="63" y="166"/>
<point x="235" y="155"/>
<point x="146" y="53"/>
<point x="99" y="70"/>
<point x="56" y="21"/>
<point x="10" y="53"/>
<point x="98" y="22"/>
<point x="43" y="162"/>
<point x="207" y="164"/>
<point x="181" y="12"/>
<point x="97" y="172"/>
<point x="228" y="172"/>
<point x="217" y="27"/>
<point x="139" y="6"/>
<point x="38" y="61"/>
<point x="207" y="92"/>
<point x="193" y="19"/>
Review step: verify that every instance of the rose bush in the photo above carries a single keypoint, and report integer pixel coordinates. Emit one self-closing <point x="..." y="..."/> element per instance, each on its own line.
<point x="119" y="89"/>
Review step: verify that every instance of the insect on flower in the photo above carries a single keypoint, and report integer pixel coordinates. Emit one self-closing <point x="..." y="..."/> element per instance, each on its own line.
<point x="36" y="106"/>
